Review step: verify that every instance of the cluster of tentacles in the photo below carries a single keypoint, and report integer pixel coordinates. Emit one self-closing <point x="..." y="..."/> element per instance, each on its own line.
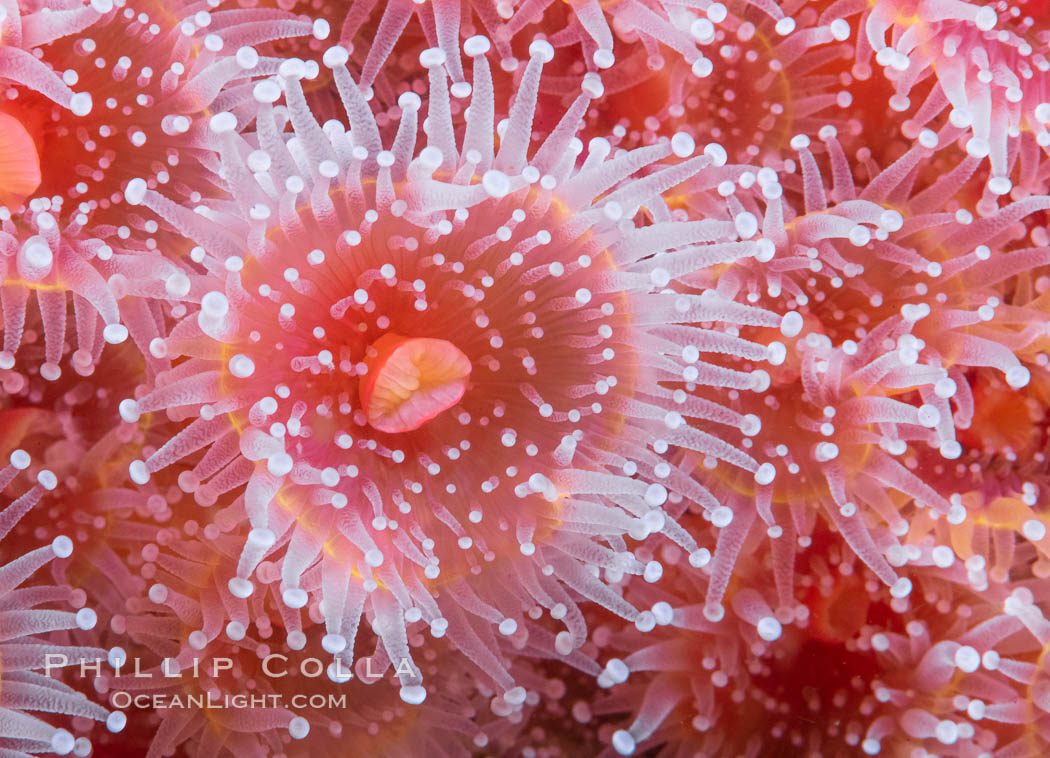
<point x="525" y="378"/>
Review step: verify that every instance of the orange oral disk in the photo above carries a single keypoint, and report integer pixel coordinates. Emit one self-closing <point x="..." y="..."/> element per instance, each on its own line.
<point x="19" y="162"/>
<point x="410" y="381"/>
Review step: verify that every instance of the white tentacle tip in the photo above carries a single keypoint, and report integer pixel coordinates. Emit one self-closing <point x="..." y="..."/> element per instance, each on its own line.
<point x="138" y="472"/>
<point x="135" y="192"/>
<point x="542" y="50"/>
<point x="515" y="695"/>
<point x="928" y="416"/>
<point x="62" y="742"/>
<point x="840" y="29"/>
<point x="335" y="56"/>
<point x="267" y="91"/>
<point x="333" y="643"/>
<point x="986" y="19"/>
<point x="223" y="123"/>
<point x="999" y="185"/>
<point x="716" y="154"/>
<point x="409" y="101"/>
<point x="604" y="58"/>
<point x="116" y="721"/>
<point x="769" y="629"/>
<point x="791" y="324"/>
<point x="683" y="145"/>
<point x="592" y="85"/>
<point x="240" y="587"/>
<point x="128" y="409"/>
<point x="47" y="479"/>
<point x="247" y="57"/>
<point x="296" y="640"/>
<point x="114" y="334"/>
<point x="623" y="743"/>
<point x="80" y="103"/>
<point x="432" y="57"/>
<point x="430" y="158"/>
<point x="495" y="183"/>
<point x="413" y="694"/>
<point x="766" y="474"/>
<point x="777" y="353"/>
<point x="1018" y="377"/>
<point x="295" y="597"/>
<point x="293" y="68"/>
<point x="86" y="619"/>
<point x="62" y="546"/>
<point x="476" y="45"/>
<point x="280" y="464"/>
<point x="298" y="728"/>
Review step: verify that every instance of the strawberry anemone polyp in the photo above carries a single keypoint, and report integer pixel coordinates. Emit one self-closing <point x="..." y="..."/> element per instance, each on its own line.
<point x="423" y="362"/>
<point x="146" y="72"/>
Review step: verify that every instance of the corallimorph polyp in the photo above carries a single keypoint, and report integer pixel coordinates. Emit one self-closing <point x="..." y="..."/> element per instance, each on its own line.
<point x="893" y="296"/>
<point x="145" y="71"/>
<point x="744" y="684"/>
<point x="785" y="68"/>
<point x="162" y="594"/>
<point x="55" y="266"/>
<point x="988" y="72"/>
<point x="949" y="670"/>
<point x="442" y="359"/>
<point x="31" y="658"/>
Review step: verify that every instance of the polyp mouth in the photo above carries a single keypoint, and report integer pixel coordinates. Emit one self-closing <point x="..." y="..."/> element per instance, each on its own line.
<point x="411" y="381"/>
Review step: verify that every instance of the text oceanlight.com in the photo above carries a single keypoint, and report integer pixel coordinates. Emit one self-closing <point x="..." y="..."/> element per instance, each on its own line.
<point x="215" y="700"/>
